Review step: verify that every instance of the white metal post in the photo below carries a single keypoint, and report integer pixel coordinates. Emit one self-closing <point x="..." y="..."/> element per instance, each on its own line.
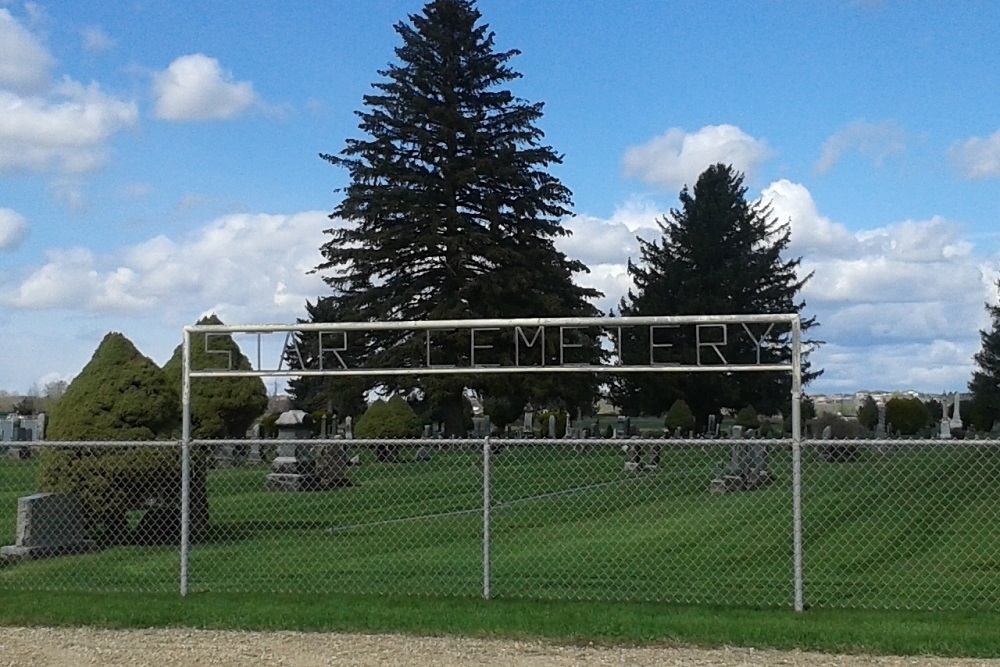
<point x="486" y="518"/>
<point x="185" y="461"/>
<point x="797" y="463"/>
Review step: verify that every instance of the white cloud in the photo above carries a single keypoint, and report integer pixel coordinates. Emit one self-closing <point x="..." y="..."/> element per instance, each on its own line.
<point x="978" y="157"/>
<point x="930" y="366"/>
<point x="65" y="133"/>
<point x="245" y="266"/>
<point x="13" y="229"/>
<point x="25" y="63"/>
<point x="811" y="232"/>
<point x="902" y="302"/>
<point x="876" y="141"/>
<point x="194" y="87"/>
<point x="62" y="127"/>
<point x="95" y="40"/>
<point x="676" y="158"/>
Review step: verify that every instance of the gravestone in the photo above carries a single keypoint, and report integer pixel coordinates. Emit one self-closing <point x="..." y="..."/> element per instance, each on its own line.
<point x="256" y="454"/>
<point x="634" y="461"/>
<point x="17" y="429"/>
<point x="48" y="524"/>
<point x="623" y="427"/>
<point x="552" y="426"/>
<point x="956" y="413"/>
<point x="225" y="455"/>
<point x="424" y="453"/>
<point x="529" y="424"/>
<point x="331" y="465"/>
<point x="294" y="468"/>
<point x="827" y="452"/>
<point x="712" y="430"/>
<point x="481" y="426"/>
<point x="749" y="465"/>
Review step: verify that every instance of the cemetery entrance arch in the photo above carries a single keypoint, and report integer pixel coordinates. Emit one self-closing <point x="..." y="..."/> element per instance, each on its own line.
<point x="526" y="345"/>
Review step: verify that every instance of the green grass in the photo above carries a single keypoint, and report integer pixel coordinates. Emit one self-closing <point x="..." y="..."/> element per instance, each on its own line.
<point x="842" y="631"/>
<point x="580" y="550"/>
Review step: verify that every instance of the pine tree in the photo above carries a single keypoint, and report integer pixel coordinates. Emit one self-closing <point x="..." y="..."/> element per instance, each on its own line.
<point x="450" y="212"/>
<point x="718" y="255"/>
<point x="985" y="383"/>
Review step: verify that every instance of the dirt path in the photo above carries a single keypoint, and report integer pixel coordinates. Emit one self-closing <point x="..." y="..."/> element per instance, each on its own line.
<point x="66" y="647"/>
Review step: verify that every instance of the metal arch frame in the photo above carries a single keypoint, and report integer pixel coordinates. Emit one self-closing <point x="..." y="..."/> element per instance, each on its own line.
<point x="606" y="323"/>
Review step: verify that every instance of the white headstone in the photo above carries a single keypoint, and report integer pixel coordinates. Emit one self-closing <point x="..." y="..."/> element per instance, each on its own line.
<point x="956" y="413"/>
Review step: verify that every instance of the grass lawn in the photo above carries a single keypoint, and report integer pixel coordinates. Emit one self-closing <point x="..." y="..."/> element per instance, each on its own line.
<point x="576" y="538"/>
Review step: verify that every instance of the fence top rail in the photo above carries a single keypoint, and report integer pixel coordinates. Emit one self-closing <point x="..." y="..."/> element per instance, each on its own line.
<point x="539" y="442"/>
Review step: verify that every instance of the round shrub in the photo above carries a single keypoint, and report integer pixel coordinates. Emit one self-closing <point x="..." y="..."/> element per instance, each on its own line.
<point x="390" y="419"/>
<point x="679" y="416"/>
<point x="747" y="418"/>
<point x="840" y="428"/>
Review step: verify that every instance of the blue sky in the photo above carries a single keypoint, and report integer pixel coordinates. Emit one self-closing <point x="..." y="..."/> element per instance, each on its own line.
<point x="158" y="161"/>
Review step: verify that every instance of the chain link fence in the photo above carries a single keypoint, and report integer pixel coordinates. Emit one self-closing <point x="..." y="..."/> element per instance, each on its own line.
<point x="885" y="524"/>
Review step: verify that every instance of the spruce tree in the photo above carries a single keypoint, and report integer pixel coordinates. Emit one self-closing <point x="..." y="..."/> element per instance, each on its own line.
<point x="451" y="212"/>
<point x="718" y="255"/>
<point x="985" y="383"/>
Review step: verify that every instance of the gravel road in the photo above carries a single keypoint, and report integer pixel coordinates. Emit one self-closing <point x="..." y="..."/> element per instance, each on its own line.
<point x="66" y="647"/>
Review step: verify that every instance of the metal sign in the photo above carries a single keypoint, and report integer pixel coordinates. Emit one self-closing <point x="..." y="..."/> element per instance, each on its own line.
<point x="542" y="345"/>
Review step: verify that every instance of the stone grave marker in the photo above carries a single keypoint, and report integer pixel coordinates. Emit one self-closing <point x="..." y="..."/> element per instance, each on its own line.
<point x="48" y="524"/>
<point x="956" y="413"/>
<point x="331" y="465"/>
<point x="749" y="467"/>
<point x="293" y="469"/>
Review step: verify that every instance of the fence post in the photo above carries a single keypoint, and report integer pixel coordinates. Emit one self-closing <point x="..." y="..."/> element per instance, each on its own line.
<point x="185" y="461"/>
<point x="797" y="465"/>
<point x="486" y="518"/>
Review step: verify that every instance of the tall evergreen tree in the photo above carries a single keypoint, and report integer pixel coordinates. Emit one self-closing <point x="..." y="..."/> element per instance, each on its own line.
<point x="985" y="383"/>
<point x="450" y="212"/>
<point x="718" y="255"/>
